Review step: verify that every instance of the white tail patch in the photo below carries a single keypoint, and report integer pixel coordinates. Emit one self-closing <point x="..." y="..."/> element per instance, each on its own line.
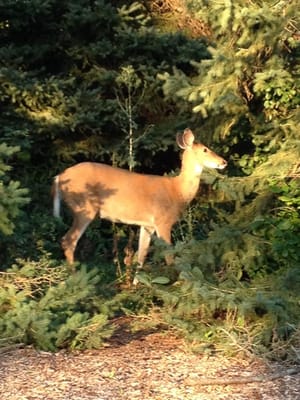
<point x="56" y="198"/>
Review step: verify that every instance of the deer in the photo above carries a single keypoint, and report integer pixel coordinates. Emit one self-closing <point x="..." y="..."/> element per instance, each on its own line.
<point x="152" y="202"/>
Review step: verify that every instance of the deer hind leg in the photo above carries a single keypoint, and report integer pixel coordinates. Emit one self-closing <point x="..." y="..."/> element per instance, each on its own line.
<point x="80" y="222"/>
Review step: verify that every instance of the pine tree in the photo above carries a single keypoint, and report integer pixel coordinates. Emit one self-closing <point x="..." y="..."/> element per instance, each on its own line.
<point x="12" y="196"/>
<point x="246" y="97"/>
<point x="247" y="93"/>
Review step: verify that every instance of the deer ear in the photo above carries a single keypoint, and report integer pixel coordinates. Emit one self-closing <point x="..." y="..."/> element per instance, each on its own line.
<point x="186" y="139"/>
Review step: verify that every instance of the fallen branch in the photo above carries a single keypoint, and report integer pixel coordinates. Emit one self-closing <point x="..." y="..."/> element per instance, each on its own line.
<point x="241" y="380"/>
<point x="11" y="347"/>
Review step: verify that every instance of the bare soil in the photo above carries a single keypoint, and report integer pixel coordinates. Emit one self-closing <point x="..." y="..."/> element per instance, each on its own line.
<point x="144" y="366"/>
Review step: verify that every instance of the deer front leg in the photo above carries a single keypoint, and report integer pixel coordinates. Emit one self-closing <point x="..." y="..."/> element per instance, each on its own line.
<point x="144" y="243"/>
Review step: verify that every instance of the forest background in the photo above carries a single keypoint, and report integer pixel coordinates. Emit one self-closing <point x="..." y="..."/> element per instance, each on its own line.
<point x="113" y="81"/>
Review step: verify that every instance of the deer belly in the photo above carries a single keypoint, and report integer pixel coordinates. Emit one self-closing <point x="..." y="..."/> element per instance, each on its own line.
<point x="126" y="215"/>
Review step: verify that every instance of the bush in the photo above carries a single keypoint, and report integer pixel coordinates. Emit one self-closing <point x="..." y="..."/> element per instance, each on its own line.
<point x="45" y="305"/>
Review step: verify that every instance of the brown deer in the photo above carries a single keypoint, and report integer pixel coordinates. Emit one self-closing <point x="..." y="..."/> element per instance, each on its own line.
<point x="152" y="202"/>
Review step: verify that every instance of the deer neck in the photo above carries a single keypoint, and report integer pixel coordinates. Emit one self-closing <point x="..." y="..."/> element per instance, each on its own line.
<point x="188" y="183"/>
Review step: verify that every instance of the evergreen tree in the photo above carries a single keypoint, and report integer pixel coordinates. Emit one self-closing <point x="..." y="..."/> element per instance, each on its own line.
<point x="246" y="95"/>
<point x="12" y="196"/>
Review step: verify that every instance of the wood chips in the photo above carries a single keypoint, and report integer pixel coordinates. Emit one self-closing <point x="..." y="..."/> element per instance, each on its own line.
<point x="154" y="366"/>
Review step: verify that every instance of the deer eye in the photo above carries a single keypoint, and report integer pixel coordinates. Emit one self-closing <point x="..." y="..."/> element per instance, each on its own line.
<point x="205" y="150"/>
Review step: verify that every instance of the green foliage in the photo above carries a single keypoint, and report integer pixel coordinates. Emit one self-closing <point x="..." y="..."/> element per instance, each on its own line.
<point x="277" y="88"/>
<point x="234" y="290"/>
<point x="253" y="70"/>
<point x="12" y="196"/>
<point x="46" y="305"/>
<point x="221" y="311"/>
<point x="237" y="290"/>
<point x="282" y="227"/>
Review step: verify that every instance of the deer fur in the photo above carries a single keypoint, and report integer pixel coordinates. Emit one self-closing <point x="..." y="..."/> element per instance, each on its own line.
<point x="152" y="202"/>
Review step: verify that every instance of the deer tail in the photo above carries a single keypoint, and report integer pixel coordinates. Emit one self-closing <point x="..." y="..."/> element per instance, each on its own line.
<point x="56" y="197"/>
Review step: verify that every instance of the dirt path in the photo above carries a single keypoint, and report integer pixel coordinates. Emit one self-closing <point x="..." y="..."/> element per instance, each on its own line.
<point x="156" y="366"/>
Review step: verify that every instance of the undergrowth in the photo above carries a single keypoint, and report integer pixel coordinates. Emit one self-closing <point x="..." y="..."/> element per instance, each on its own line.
<point x="216" y="313"/>
<point x="46" y="305"/>
<point x="51" y="308"/>
<point x="235" y="289"/>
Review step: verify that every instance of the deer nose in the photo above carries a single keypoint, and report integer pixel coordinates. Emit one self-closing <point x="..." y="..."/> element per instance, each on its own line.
<point x="223" y="164"/>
